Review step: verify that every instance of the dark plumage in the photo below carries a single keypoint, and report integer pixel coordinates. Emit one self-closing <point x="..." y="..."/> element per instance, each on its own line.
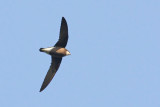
<point x="56" y="52"/>
<point x="63" y="38"/>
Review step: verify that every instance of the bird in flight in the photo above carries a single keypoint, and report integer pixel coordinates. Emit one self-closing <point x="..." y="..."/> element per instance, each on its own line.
<point x="57" y="52"/>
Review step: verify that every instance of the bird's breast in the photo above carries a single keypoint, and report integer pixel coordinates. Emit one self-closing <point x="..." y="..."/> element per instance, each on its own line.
<point x="58" y="52"/>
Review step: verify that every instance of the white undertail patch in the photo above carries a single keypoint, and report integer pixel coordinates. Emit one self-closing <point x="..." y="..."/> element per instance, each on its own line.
<point x="47" y="50"/>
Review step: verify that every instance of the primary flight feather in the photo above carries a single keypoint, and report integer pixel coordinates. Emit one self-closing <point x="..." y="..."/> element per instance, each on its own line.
<point x="56" y="52"/>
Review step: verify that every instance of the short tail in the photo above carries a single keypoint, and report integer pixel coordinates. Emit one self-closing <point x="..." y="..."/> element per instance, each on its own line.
<point x="41" y="49"/>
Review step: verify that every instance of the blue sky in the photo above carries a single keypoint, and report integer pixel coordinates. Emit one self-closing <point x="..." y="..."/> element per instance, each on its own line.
<point x="114" y="45"/>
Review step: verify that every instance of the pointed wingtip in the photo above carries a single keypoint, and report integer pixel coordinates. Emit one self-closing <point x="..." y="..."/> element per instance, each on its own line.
<point x="63" y="19"/>
<point x="41" y="89"/>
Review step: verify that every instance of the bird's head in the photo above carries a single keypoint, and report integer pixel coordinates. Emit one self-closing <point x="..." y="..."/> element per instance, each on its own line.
<point x="68" y="53"/>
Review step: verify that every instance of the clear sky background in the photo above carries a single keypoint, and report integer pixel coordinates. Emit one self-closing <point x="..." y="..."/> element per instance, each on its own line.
<point x="114" y="45"/>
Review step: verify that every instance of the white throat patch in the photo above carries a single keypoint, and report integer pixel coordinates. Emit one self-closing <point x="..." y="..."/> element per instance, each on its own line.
<point x="68" y="53"/>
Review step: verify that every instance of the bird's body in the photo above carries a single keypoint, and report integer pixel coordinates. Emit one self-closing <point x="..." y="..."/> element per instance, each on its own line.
<point x="57" y="52"/>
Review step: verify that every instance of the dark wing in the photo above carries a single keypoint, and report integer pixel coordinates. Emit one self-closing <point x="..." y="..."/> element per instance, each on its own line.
<point x="51" y="72"/>
<point x="63" y="36"/>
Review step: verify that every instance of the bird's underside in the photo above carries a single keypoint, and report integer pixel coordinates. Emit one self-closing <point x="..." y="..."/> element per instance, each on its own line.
<point x="56" y="52"/>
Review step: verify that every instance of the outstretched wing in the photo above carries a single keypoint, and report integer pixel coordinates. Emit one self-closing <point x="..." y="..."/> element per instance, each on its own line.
<point x="51" y="72"/>
<point x="63" y="36"/>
